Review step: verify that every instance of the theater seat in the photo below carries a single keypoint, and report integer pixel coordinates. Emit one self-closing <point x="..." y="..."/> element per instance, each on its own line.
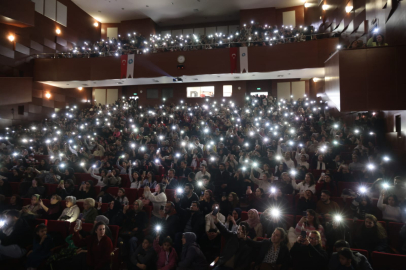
<point x="15" y="187"/>
<point x="58" y="226"/>
<point x="386" y="261"/>
<point x="393" y="234"/>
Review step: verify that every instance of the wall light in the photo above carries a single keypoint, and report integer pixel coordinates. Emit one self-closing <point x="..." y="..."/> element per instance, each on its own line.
<point x="11" y="38"/>
<point x="306" y="5"/>
<point x="324" y="7"/>
<point x="58" y="31"/>
<point x="316" y="79"/>
<point x="96" y="24"/>
<point x="80" y="88"/>
<point x="348" y="9"/>
<point x="47" y="95"/>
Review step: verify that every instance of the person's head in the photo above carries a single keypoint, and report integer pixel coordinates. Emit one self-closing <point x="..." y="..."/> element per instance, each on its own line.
<point x="278" y="236"/>
<point x="314" y="238"/>
<point x="191" y="176"/>
<point x="208" y="195"/>
<point x="70" y="201"/>
<point x="259" y="192"/>
<point x="236" y="213"/>
<point x="222" y="166"/>
<point x="189" y="188"/>
<point x="160" y="188"/>
<point x="183" y="164"/>
<point x="241" y="231"/>
<point x="99" y="229"/>
<point x="327" y="178"/>
<point x="167" y="244"/>
<point x="147" y="243"/>
<point x="380" y="39"/>
<point x="35" y="199"/>
<point x="169" y="206"/>
<point x="309" y="179"/>
<point x="88" y="185"/>
<point x="252" y="214"/>
<point x="312" y="217"/>
<point x="234" y="199"/>
<point x="325" y="196"/>
<point x="41" y="230"/>
<point x="171" y="173"/>
<point x="188" y="238"/>
<point x="55" y="199"/>
<point x="365" y="201"/>
<point x="12" y="216"/>
<point x="285" y="177"/>
<point x="345" y="257"/>
<point x="195" y="206"/>
<point x="121" y="193"/>
<point x="354" y="158"/>
<point x="287" y="155"/>
<point x="309" y="194"/>
<point x="320" y="158"/>
<point x="371" y="223"/>
<point x="340" y="244"/>
<point x="138" y="205"/>
<point x="88" y="203"/>
<point x="101" y="218"/>
<point x="393" y="200"/>
<point x="203" y="167"/>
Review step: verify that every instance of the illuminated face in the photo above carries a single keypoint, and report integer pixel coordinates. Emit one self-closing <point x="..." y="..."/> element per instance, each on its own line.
<point x="379" y="38"/>
<point x="324" y="197"/>
<point x="307" y="179"/>
<point x="34" y="200"/>
<point x="258" y="192"/>
<point x="313" y="239"/>
<point x="391" y="201"/>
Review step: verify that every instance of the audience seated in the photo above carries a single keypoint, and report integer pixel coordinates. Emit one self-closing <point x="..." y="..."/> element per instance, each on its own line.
<point x="71" y="212"/>
<point x="348" y="258"/>
<point x="253" y="224"/>
<point x="371" y="235"/>
<point x="53" y="211"/>
<point x="307" y="252"/>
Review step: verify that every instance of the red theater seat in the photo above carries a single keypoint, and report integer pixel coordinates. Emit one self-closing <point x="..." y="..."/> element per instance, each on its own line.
<point x="393" y="234"/>
<point x="61" y="227"/>
<point x="362" y="251"/>
<point x="15" y="187"/>
<point x="386" y="261"/>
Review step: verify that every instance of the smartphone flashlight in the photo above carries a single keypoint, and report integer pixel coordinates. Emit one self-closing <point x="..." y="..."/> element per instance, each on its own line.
<point x="158" y="228"/>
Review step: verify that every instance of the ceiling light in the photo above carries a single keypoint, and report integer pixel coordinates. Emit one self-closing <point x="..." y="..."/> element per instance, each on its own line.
<point x="324" y="7"/>
<point x="11" y="37"/>
<point x="80" y="88"/>
<point x="96" y="24"/>
<point x="47" y="95"/>
<point x="306" y="5"/>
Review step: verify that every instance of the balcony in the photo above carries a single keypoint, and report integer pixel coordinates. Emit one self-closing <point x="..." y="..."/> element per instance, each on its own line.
<point x="306" y="56"/>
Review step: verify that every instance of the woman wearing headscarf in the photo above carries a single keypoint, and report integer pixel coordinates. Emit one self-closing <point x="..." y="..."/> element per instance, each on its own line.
<point x="233" y="220"/>
<point x="66" y="188"/>
<point x="191" y="257"/>
<point x="255" y="229"/>
<point x="112" y="213"/>
<point x="135" y="221"/>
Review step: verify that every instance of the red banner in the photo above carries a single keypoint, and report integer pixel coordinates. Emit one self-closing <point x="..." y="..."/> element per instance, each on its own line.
<point x="233" y="59"/>
<point x="124" y="59"/>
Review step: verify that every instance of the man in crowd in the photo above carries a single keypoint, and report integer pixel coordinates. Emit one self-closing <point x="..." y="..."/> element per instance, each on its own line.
<point x="325" y="206"/>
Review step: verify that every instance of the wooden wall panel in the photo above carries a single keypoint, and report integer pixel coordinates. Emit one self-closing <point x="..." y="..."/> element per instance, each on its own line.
<point x="15" y="90"/>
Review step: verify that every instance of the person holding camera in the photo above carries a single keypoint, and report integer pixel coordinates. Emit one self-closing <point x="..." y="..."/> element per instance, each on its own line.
<point x="307" y="252"/>
<point x="236" y="253"/>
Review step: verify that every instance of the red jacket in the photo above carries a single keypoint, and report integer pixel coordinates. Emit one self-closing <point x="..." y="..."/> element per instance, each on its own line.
<point x="98" y="253"/>
<point x="173" y="257"/>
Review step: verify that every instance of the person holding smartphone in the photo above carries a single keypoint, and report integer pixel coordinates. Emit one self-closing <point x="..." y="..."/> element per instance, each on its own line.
<point x="307" y="252"/>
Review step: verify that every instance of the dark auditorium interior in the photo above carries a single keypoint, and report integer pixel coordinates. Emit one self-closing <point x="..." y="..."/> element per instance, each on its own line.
<point x="202" y="134"/>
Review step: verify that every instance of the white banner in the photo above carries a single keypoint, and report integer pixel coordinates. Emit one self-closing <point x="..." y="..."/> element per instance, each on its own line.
<point x="243" y="59"/>
<point x="130" y="66"/>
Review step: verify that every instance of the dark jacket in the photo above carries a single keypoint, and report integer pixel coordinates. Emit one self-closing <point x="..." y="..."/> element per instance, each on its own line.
<point x="147" y="257"/>
<point x="186" y="202"/>
<point x="360" y="264"/>
<point x="198" y="220"/>
<point x="180" y="172"/>
<point x="21" y="235"/>
<point x="308" y="257"/>
<point x="263" y="246"/>
<point x="5" y="189"/>
<point x="170" y="226"/>
<point x="303" y="205"/>
<point x="134" y="220"/>
<point x="236" y="247"/>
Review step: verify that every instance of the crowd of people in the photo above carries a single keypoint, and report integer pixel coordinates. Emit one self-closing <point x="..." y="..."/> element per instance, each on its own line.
<point x="233" y="166"/>
<point x="245" y="36"/>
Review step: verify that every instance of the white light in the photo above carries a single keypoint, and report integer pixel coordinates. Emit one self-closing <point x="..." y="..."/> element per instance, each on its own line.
<point x="376" y="30"/>
<point x="356" y="131"/>
<point x="324" y="7"/>
<point x="371" y="166"/>
<point x="275" y="212"/>
<point x="348" y="9"/>
<point x="362" y="189"/>
<point x="386" y="158"/>
<point x="179" y="191"/>
<point x="293" y="172"/>
<point x="273" y="190"/>
<point x="385" y="185"/>
<point x="338" y="47"/>
<point x="158" y="228"/>
<point x="338" y="218"/>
